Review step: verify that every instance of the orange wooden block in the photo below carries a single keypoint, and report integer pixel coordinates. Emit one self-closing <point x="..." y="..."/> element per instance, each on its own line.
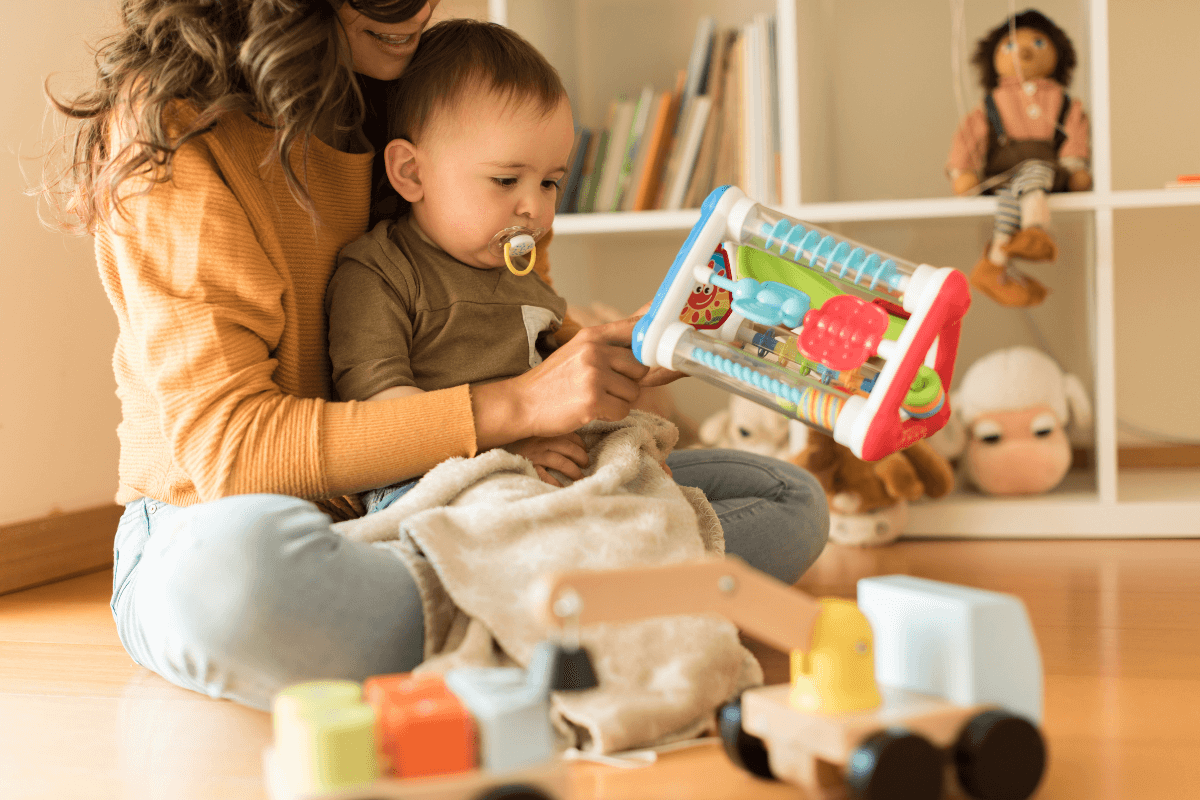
<point x="424" y="729"/>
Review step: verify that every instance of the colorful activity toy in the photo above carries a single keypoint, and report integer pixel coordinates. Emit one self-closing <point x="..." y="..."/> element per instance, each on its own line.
<point x="833" y="333"/>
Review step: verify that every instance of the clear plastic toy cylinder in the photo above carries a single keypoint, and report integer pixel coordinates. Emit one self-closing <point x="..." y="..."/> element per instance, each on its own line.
<point x="732" y="369"/>
<point x="752" y="334"/>
<point x="861" y="268"/>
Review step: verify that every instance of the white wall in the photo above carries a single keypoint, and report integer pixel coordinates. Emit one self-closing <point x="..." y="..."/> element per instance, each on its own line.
<point x="58" y="411"/>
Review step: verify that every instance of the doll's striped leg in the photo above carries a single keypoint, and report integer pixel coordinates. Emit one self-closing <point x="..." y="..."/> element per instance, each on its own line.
<point x="992" y="274"/>
<point x="1032" y="181"/>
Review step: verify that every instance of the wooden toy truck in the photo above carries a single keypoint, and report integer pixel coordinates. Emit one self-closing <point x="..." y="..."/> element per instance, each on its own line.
<point x="959" y="677"/>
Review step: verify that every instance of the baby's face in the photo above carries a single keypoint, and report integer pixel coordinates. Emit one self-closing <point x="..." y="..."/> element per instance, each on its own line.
<point x="489" y="165"/>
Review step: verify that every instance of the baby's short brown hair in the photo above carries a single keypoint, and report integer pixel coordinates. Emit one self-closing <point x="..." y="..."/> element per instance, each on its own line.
<point x="458" y="55"/>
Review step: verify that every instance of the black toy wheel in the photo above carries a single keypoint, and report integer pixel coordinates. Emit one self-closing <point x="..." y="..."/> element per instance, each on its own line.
<point x="895" y="764"/>
<point x="743" y="749"/>
<point x="514" y="791"/>
<point x="1000" y="756"/>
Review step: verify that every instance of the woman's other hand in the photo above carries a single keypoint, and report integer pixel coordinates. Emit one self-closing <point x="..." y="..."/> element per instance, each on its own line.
<point x="565" y="454"/>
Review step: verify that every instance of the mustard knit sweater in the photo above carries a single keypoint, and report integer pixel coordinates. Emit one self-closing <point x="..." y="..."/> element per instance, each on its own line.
<point x="218" y="279"/>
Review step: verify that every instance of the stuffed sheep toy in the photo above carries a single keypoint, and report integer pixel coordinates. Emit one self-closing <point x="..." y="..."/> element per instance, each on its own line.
<point x="1009" y="427"/>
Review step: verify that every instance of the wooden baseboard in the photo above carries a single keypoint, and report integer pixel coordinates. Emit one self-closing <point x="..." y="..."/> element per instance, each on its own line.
<point x="56" y="547"/>
<point x="1165" y="456"/>
<point x="1171" y="456"/>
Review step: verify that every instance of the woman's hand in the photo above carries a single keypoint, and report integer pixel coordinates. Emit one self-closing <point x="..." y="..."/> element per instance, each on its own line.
<point x="593" y="376"/>
<point x="566" y="454"/>
<point x="657" y="376"/>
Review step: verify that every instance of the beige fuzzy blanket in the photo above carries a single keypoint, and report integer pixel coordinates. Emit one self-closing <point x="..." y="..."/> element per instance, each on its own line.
<point x="478" y="534"/>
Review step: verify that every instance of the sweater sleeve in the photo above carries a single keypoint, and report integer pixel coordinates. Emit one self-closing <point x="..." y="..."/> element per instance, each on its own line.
<point x="203" y="315"/>
<point x="1078" y="142"/>
<point x="968" y="149"/>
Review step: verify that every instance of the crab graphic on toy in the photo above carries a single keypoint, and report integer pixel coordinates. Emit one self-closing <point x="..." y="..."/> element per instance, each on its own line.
<point x="708" y="305"/>
<point x="830" y="332"/>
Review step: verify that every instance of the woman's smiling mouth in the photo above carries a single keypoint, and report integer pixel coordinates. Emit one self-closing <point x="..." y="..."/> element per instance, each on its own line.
<point x="393" y="39"/>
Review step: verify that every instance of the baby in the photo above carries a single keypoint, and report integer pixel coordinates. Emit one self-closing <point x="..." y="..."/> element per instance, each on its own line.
<point x="481" y="133"/>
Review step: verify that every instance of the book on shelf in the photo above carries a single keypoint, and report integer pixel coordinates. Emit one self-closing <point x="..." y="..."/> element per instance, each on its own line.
<point x="587" y="180"/>
<point x="638" y="173"/>
<point x="756" y="111"/>
<point x="614" y="159"/>
<point x="635" y="150"/>
<point x="727" y="170"/>
<point x="658" y="146"/>
<point x="689" y="146"/>
<point x="776" y="136"/>
<point x="592" y="164"/>
<point x="1184" y="181"/>
<point x="637" y="128"/>
<point x="701" y="182"/>
<point x="568" y="197"/>
<point x="674" y="156"/>
<point x="594" y="167"/>
<point x="698" y="60"/>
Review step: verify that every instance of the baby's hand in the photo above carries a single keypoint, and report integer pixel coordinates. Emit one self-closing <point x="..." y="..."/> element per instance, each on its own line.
<point x="565" y="454"/>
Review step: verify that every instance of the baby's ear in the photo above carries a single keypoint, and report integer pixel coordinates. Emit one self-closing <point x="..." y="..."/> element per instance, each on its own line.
<point x="400" y="161"/>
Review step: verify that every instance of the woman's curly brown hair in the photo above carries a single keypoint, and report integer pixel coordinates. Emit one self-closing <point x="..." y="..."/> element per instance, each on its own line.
<point x="286" y="61"/>
<point x="985" y="51"/>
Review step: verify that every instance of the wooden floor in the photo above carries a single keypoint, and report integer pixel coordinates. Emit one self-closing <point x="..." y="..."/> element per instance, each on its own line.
<point x="1118" y="623"/>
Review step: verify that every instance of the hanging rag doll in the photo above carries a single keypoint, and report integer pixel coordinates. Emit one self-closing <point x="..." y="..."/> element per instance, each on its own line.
<point x="1033" y="135"/>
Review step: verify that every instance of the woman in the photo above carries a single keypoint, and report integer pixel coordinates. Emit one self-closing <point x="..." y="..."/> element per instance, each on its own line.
<point x="222" y="160"/>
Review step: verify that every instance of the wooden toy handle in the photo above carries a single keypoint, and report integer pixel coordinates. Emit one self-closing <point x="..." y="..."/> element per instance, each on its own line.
<point x="765" y="608"/>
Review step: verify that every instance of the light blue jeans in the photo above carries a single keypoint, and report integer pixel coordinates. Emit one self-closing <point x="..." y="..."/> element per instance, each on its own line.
<point x="239" y="597"/>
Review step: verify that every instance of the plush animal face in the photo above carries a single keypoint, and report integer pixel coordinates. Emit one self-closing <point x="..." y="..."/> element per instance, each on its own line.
<point x="745" y="425"/>
<point x="756" y="429"/>
<point x="1030" y="48"/>
<point x="1021" y="451"/>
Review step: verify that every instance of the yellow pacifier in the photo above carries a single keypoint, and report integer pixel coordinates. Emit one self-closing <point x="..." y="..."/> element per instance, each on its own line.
<point x="516" y="242"/>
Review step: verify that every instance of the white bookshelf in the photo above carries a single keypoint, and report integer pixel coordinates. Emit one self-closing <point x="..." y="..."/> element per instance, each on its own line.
<point x="834" y="175"/>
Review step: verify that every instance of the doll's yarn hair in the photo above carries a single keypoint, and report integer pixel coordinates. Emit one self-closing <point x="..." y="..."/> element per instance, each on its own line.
<point x="986" y="49"/>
